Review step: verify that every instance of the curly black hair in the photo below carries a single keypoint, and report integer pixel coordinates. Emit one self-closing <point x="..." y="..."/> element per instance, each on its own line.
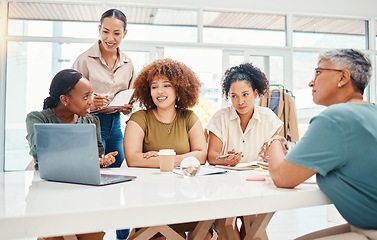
<point x="245" y="72"/>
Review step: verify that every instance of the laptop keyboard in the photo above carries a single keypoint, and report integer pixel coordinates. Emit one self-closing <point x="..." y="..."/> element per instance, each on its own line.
<point x="107" y="179"/>
<point x="110" y="178"/>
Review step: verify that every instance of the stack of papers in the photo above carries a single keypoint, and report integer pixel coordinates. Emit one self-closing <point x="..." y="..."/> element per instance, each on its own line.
<point x="241" y="166"/>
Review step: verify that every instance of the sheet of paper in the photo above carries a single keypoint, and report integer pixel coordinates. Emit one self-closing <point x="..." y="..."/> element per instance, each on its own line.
<point x="121" y="98"/>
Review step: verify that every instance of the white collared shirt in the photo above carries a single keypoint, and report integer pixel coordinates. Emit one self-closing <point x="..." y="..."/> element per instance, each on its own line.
<point x="226" y="125"/>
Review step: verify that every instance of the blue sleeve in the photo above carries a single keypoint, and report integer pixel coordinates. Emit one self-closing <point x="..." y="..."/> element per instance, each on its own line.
<point x="322" y="148"/>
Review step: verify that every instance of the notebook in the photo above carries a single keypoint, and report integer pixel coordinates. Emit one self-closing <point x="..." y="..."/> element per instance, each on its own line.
<point x="69" y="153"/>
<point x="121" y="98"/>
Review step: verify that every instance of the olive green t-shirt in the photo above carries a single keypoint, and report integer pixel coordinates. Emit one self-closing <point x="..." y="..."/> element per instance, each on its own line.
<point x="157" y="135"/>
<point x="47" y="116"/>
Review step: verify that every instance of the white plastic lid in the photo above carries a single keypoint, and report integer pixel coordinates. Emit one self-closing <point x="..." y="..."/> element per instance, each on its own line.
<point x="166" y="152"/>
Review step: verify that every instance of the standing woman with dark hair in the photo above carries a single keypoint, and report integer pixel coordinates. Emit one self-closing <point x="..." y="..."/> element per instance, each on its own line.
<point x="110" y="71"/>
<point x="69" y="102"/>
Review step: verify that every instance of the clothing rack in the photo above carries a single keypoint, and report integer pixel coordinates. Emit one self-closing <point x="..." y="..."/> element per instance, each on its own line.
<point x="283" y="90"/>
<point x="277" y="85"/>
<point x="289" y="92"/>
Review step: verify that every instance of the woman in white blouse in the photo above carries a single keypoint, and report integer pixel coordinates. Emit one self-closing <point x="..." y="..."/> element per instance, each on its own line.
<point x="241" y="129"/>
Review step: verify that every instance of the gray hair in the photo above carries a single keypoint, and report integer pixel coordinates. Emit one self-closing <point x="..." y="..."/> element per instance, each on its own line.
<point x="354" y="61"/>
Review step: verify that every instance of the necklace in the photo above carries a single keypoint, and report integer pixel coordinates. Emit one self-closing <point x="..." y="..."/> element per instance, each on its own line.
<point x="167" y="126"/>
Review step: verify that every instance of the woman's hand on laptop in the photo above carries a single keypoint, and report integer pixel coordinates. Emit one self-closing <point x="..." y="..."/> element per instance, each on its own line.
<point x="108" y="159"/>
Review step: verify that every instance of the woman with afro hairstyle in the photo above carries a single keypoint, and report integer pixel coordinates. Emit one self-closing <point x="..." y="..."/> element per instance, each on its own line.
<point x="241" y="128"/>
<point x="166" y="88"/>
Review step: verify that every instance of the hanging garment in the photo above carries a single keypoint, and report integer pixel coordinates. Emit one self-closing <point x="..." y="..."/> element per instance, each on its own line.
<point x="274" y="103"/>
<point x="286" y="111"/>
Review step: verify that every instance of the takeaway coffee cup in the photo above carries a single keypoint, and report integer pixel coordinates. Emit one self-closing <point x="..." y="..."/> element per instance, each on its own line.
<point x="166" y="158"/>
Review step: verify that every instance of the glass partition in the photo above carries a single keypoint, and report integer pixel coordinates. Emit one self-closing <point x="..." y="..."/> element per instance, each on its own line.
<point x="244" y="28"/>
<point x="27" y="83"/>
<point x="303" y="71"/>
<point x="142" y="32"/>
<point x="206" y="63"/>
<point x="272" y="66"/>
<point x="81" y="21"/>
<point x="329" y="33"/>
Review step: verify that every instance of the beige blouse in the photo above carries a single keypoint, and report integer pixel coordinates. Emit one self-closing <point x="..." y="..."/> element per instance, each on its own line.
<point x="226" y="125"/>
<point x="105" y="81"/>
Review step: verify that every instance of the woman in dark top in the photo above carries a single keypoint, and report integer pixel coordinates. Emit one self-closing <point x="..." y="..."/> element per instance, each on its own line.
<point x="69" y="102"/>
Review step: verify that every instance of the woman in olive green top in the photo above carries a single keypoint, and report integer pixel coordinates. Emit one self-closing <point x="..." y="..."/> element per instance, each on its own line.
<point x="69" y="102"/>
<point x="166" y="88"/>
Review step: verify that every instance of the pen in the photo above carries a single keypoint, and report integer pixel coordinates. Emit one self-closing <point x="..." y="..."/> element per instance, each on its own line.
<point x="96" y="94"/>
<point x="227" y="155"/>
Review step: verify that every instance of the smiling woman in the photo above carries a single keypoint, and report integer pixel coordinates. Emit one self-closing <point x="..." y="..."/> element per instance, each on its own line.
<point x="166" y="88"/>
<point x="110" y="71"/>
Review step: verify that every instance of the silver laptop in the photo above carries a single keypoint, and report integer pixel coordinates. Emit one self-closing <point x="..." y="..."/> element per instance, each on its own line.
<point x="69" y="153"/>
